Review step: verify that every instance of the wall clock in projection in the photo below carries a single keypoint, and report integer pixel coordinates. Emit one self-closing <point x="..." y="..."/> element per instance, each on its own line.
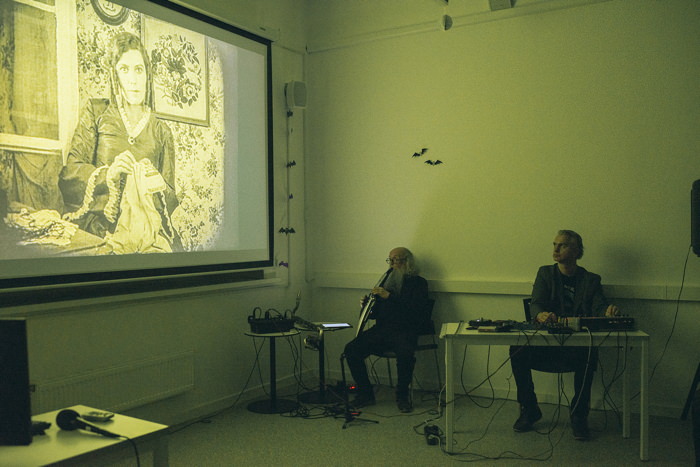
<point x="109" y="12"/>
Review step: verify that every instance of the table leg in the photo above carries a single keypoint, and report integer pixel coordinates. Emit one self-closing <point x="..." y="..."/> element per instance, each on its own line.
<point x="273" y="374"/>
<point x="321" y="366"/>
<point x="272" y="405"/>
<point x="626" y="403"/>
<point x="160" y="452"/>
<point x="449" y="394"/>
<point x="644" y="402"/>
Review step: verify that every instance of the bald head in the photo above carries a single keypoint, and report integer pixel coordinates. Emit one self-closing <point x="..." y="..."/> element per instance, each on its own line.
<point x="401" y="258"/>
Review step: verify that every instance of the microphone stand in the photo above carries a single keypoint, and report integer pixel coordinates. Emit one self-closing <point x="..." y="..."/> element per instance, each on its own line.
<point x="350" y="415"/>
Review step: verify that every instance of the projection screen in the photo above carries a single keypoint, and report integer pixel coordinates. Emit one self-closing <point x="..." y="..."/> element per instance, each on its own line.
<point x="135" y="141"/>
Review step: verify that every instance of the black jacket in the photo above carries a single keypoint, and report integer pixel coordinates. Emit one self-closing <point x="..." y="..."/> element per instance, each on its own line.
<point x="405" y="311"/>
<point x="547" y="293"/>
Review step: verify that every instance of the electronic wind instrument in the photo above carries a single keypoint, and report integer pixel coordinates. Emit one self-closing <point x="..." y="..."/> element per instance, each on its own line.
<point x="369" y="304"/>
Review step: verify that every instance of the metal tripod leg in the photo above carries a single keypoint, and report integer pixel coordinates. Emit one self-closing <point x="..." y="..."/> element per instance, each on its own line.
<point x="691" y="393"/>
<point x="350" y="415"/>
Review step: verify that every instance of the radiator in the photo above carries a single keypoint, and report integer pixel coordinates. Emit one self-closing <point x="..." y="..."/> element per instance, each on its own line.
<point x="119" y="388"/>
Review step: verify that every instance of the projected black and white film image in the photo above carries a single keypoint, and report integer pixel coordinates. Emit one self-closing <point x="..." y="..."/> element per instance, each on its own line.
<point x="117" y="133"/>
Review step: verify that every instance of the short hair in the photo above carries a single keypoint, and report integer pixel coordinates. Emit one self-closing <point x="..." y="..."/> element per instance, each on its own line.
<point x="122" y="43"/>
<point x="571" y="235"/>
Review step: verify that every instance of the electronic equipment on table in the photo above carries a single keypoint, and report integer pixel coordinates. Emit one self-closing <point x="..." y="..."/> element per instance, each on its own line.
<point x="488" y="325"/>
<point x="307" y="324"/>
<point x="268" y="324"/>
<point x="562" y="326"/>
<point x="600" y="323"/>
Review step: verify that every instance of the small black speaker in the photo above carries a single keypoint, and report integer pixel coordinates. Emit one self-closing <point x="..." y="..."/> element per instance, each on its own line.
<point x="695" y="217"/>
<point x="15" y="405"/>
<point x="500" y="4"/>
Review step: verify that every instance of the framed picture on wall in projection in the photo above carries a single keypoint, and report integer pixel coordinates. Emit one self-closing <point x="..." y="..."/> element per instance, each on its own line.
<point x="180" y="71"/>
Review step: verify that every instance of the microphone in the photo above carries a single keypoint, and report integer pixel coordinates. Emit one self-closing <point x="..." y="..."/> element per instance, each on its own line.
<point x="296" y="307"/>
<point x="70" y="420"/>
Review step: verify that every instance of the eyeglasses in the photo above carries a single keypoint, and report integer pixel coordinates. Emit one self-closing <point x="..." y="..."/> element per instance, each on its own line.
<point x="395" y="260"/>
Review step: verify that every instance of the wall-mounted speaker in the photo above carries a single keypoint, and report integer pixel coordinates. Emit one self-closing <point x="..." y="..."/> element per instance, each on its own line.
<point x="500" y="4"/>
<point x="695" y="217"/>
<point x="446" y="22"/>
<point x="295" y="93"/>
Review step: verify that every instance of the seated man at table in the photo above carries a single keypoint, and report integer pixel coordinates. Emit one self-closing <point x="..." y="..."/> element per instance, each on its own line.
<point x="563" y="289"/>
<point x="399" y="311"/>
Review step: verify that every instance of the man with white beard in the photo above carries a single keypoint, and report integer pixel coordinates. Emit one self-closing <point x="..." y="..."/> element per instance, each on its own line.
<point x="399" y="310"/>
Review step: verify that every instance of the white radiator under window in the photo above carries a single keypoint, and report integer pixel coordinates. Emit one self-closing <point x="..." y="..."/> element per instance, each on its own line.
<point x="119" y="388"/>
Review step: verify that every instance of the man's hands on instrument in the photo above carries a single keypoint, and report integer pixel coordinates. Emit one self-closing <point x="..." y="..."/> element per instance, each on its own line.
<point x="612" y="310"/>
<point x="363" y="301"/>
<point x="377" y="292"/>
<point x="381" y="292"/>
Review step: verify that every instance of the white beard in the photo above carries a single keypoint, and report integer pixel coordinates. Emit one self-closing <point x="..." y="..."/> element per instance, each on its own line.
<point x="395" y="281"/>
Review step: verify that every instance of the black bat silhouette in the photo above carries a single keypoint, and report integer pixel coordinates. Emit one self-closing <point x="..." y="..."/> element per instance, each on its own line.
<point x="436" y="162"/>
<point x="422" y="151"/>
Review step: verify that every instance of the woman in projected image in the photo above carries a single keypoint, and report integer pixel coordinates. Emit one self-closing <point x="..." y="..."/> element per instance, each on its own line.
<point x="119" y="179"/>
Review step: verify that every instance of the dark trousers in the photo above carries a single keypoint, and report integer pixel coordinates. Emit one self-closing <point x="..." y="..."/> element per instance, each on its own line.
<point x="376" y="341"/>
<point x="524" y="359"/>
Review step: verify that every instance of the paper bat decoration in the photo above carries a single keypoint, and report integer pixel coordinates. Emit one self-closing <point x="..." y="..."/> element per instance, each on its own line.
<point x="435" y="162"/>
<point x="422" y="151"/>
<point x="287" y="230"/>
<point x="291" y="164"/>
<point x="283" y="264"/>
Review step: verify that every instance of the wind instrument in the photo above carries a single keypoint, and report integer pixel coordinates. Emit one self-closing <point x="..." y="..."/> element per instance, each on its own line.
<point x="369" y="304"/>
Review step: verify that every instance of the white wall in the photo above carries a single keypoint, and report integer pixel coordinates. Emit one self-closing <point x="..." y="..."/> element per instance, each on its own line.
<point x="582" y="118"/>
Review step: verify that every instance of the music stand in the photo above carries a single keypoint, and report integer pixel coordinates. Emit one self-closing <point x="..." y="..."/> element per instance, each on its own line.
<point x="322" y="396"/>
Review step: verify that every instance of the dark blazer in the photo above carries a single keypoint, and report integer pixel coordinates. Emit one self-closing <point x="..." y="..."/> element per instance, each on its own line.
<point x="547" y="293"/>
<point x="406" y="311"/>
